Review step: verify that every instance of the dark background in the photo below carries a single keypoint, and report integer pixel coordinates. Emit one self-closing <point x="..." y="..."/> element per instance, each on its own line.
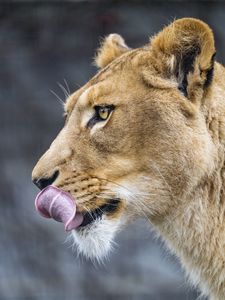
<point x="43" y="43"/>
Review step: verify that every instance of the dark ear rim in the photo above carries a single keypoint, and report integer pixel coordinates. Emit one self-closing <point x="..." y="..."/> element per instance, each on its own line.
<point x="187" y="49"/>
<point x="210" y="72"/>
<point x="186" y="66"/>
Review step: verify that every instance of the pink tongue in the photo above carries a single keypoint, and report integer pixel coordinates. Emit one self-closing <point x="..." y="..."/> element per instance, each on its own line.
<point x="54" y="203"/>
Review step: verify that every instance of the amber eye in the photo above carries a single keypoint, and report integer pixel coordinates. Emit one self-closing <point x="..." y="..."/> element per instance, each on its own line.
<point x="102" y="113"/>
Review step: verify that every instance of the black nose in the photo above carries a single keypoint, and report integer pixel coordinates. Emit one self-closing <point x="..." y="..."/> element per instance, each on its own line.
<point x="41" y="183"/>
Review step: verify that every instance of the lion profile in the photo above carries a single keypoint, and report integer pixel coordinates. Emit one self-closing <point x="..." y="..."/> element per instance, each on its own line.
<point x="146" y="137"/>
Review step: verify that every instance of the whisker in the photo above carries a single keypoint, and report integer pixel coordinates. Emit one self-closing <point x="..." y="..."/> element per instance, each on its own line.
<point x="107" y="180"/>
<point x="78" y="85"/>
<point x="161" y="175"/>
<point x="88" y="211"/>
<point x="60" y="100"/>
<point x="139" y="200"/>
<point x="139" y="205"/>
<point x="67" y="86"/>
<point x="63" y="89"/>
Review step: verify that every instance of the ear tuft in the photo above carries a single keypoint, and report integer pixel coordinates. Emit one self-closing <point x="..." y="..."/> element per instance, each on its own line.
<point x="112" y="47"/>
<point x="187" y="47"/>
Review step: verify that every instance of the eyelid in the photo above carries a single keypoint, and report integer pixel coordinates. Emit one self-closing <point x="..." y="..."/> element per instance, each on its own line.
<point x="109" y="106"/>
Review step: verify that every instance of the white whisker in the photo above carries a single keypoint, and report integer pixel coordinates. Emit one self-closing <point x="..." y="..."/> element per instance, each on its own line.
<point x="67" y="86"/>
<point x="66" y="95"/>
<point x="60" y="100"/>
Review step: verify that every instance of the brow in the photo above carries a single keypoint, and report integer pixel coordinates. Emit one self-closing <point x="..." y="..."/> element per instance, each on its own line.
<point x="100" y="76"/>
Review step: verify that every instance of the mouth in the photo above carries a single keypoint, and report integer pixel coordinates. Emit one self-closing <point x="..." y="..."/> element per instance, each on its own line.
<point x="59" y="205"/>
<point x="91" y="216"/>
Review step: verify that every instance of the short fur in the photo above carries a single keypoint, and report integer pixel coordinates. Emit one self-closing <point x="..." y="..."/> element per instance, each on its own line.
<point x="161" y="151"/>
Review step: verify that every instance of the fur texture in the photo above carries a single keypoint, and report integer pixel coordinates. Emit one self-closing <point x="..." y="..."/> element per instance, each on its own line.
<point x="161" y="151"/>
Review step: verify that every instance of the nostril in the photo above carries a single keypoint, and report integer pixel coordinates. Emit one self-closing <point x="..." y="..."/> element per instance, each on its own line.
<point x="41" y="183"/>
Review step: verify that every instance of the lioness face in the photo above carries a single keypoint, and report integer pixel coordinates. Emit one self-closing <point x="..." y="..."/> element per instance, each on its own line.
<point x="133" y="145"/>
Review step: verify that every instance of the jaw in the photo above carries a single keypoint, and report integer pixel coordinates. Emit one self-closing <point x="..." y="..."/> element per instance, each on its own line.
<point x="96" y="239"/>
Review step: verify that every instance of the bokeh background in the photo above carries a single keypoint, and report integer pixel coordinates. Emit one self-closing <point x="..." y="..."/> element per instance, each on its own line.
<point x="45" y="44"/>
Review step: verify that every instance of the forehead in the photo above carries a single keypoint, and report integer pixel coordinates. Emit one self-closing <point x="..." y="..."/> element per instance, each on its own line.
<point x="99" y="91"/>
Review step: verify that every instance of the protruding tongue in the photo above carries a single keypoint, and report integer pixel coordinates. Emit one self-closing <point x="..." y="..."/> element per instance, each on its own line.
<point x="54" y="203"/>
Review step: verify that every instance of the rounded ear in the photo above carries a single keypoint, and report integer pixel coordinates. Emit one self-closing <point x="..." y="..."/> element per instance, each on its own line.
<point x="185" y="50"/>
<point x="112" y="47"/>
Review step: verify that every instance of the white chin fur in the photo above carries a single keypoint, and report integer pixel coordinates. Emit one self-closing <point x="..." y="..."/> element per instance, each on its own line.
<point x="96" y="240"/>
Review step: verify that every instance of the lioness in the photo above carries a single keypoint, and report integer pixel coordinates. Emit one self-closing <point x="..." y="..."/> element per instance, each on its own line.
<point x="146" y="137"/>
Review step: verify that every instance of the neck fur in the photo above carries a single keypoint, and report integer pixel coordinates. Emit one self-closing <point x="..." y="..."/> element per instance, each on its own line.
<point x="197" y="235"/>
<point x="195" y="230"/>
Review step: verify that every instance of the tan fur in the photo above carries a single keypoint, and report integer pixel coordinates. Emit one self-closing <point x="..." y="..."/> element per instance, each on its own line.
<point x="162" y="151"/>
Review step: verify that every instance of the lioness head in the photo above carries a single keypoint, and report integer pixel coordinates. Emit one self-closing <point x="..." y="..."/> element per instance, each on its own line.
<point x="135" y="141"/>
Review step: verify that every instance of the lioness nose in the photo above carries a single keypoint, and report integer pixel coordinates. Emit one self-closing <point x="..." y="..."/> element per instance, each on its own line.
<point x="41" y="183"/>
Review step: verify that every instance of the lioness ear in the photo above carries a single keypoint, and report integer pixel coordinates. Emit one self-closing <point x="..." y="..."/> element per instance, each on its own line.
<point x="112" y="47"/>
<point x="186" y="51"/>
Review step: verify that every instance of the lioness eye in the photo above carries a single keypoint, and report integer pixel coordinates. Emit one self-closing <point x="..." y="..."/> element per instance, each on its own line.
<point x="101" y="114"/>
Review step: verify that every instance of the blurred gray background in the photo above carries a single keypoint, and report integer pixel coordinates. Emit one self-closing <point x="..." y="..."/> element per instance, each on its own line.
<point x="43" y="43"/>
